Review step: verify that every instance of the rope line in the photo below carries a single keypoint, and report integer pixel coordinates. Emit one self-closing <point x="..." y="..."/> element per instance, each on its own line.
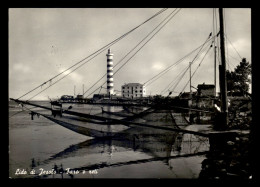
<point x="197" y="67"/>
<point x="174" y="81"/>
<point x="147" y="41"/>
<point x="106" y="46"/>
<point x="177" y="83"/>
<point x="130" y="51"/>
<point x="139" y="49"/>
<point x="174" y="64"/>
<point x="186" y="71"/>
<point x="195" y="58"/>
<point x="233" y="46"/>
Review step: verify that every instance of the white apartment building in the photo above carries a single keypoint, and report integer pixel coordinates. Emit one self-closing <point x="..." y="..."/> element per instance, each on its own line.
<point x="133" y="90"/>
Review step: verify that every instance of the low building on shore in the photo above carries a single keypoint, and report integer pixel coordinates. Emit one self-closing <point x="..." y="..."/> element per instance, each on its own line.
<point x="133" y="90"/>
<point x="206" y="90"/>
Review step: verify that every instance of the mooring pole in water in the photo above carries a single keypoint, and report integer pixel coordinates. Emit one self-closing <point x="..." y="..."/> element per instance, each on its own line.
<point x="223" y="83"/>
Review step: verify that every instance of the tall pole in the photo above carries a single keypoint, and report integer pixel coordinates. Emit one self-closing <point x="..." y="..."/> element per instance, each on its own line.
<point x="191" y="120"/>
<point x="223" y="84"/>
<point x="215" y="73"/>
<point x="215" y="54"/>
<point x="190" y="81"/>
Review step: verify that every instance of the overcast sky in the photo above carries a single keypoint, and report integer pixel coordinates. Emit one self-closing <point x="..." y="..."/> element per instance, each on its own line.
<point x="44" y="42"/>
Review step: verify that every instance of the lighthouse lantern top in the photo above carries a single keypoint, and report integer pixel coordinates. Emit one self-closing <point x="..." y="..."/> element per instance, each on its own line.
<point x="109" y="52"/>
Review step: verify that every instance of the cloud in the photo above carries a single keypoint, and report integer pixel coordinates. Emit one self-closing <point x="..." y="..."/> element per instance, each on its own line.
<point x="241" y="45"/>
<point x="75" y="77"/>
<point x="158" y="66"/>
<point x="44" y="42"/>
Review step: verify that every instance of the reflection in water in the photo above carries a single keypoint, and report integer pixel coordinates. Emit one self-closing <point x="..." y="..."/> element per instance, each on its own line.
<point x="161" y="149"/>
<point x="135" y="146"/>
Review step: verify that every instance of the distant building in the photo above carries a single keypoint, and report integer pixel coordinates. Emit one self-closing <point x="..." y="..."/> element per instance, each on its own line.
<point x="206" y="89"/>
<point x="186" y="95"/>
<point x="79" y="97"/>
<point x="66" y="98"/>
<point x="205" y="93"/>
<point x="133" y="90"/>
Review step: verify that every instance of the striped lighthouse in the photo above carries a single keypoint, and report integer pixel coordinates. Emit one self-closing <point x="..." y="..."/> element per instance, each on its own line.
<point x="110" y="83"/>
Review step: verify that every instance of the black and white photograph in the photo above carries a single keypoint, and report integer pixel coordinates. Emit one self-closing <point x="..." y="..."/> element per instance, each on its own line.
<point x="130" y="93"/>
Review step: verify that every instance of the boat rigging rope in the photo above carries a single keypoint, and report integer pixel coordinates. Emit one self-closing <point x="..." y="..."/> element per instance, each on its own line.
<point x="150" y="81"/>
<point x="197" y="68"/>
<point x="226" y="47"/>
<point x="233" y="46"/>
<point x="176" y="80"/>
<point x="179" y="80"/>
<point x="131" y="51"/>
<point x="148" y="40"/>
<point x="101" y="49"/>
<point x="183" y="75"/>
<point x="139" y="49"/>
<point x="176" y="63"/>
<point x="166" y="68"/>
<point x="234" y="58"/>
<point x="228" y="55"/>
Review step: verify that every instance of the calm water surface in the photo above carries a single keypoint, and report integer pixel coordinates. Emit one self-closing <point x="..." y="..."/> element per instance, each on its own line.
<point x="40" y="144"/>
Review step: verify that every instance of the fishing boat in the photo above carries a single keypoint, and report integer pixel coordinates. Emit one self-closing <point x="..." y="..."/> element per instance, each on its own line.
<point x="153" y="128"/>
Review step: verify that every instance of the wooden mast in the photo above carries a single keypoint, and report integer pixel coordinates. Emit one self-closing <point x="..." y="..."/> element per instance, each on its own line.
<point x="223" y="82"/>
<point x="190" y="101"/>
<point x="190" y="82"/>
<point x="215" y="55"/>
<point x="215" y="73"/>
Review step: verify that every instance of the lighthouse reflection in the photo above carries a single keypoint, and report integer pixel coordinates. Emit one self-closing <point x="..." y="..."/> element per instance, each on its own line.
<point x="99" y="153"/>
<point x="168" y="151"/>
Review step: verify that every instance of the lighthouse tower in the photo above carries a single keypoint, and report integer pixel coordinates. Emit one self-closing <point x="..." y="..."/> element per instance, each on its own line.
<point x="110" y="83"/>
